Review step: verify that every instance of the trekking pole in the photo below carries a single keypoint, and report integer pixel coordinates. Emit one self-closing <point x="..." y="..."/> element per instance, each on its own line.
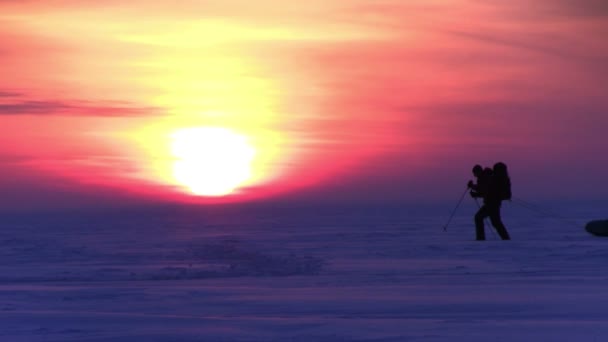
<point x="445" y="228"/>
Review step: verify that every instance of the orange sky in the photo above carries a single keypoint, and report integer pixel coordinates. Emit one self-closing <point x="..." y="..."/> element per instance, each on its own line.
<point x="363" y="98"/>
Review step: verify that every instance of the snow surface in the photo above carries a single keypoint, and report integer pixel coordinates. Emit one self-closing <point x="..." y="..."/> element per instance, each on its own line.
<point x="301" y="275"/>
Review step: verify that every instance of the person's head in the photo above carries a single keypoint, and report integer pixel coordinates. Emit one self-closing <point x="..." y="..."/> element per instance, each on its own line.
<point x="500" y="168"/>
<point x="477" y="169"/>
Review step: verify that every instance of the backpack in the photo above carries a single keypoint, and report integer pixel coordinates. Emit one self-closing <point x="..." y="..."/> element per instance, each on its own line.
<point x="505" y="191"/>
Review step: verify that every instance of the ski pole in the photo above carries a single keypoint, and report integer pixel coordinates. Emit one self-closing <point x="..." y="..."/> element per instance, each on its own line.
<point x="445" y="228"/>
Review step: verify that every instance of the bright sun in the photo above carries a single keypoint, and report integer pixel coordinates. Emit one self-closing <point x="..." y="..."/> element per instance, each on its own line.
<point x="211" y="161"/>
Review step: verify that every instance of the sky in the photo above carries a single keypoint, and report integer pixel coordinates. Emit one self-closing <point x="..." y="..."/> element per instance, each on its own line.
<point x="327" y="101"/>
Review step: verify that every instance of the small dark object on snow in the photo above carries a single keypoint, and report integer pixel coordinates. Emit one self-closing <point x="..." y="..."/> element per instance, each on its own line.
<point x="598" y="227"/>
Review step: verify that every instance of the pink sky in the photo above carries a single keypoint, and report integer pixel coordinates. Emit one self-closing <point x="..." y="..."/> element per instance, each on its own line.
<point x="342" y="100"/>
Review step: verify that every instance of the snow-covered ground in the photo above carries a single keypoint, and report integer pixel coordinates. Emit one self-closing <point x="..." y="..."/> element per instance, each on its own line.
<point x="302" y="275"/>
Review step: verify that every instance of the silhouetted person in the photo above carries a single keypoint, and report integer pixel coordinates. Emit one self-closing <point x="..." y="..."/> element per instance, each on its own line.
<point x="480" y="188"/>
<point x="499" y="189"/>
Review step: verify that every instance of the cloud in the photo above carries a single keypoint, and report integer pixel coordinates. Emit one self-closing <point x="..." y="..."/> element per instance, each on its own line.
<point x="12" y="159"/>
<point x="517" y="121"/>
<point x="9" y="94"/>
<point x="557" y="48"/>
<point x="551" y="9"/>
<point x="583" y="8"/>
<point x="84" y="108"/>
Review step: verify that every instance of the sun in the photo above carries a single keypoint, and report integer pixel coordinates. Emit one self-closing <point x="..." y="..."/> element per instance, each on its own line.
<point x="211" y="161"/>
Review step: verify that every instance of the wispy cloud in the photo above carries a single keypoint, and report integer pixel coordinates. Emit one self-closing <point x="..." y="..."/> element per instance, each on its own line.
<point x="9" y="94"/>
<point x="550" y="9"/>
<point x="17" y="106"/>
<point x="574" y="8"/>
<point x="560" y="47"/>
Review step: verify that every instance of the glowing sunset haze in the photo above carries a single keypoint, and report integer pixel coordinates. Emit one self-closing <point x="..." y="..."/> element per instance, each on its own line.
<point x="275" y="170"/>
<point x="212" y="101"/>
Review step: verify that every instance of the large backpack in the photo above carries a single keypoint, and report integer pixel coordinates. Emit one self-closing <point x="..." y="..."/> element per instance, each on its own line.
<point x="505" y="191"/>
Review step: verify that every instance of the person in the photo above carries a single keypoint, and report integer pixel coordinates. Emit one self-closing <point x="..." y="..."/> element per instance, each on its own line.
<point x="480" y="188"/>
<point x="498" y="190"/>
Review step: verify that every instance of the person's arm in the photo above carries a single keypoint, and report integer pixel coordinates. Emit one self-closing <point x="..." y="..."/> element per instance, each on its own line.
<point x="475" y="194"/>
<point x="473" y="186"/>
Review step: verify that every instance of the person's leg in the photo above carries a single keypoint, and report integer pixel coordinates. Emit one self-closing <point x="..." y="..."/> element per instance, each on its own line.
<point x="481" y="214"/>
<point x="497" y="222"/>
